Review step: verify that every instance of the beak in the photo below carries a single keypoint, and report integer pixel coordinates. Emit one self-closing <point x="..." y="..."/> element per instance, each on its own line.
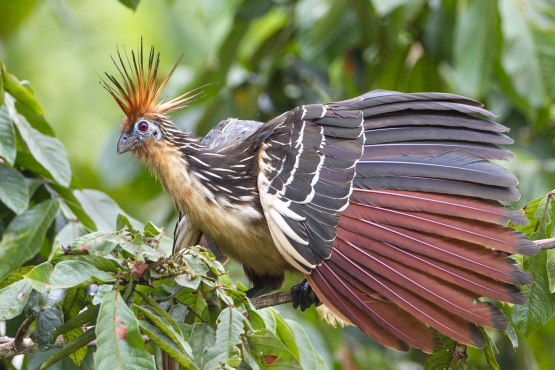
<point x="127" y="141"/>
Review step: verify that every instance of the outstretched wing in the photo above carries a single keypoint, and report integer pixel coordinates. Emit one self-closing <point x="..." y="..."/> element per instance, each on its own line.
<point x="307" y="159"/>
<point x="411" y="248"/>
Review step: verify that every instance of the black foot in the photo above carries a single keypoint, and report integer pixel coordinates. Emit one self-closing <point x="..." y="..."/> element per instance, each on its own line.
<point x="304" y="296"/>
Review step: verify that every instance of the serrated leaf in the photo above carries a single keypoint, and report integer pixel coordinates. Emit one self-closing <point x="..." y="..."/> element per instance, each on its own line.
<point x="452" y="356"/>
<point x="77" y="344"/>
<point x="119" y="342"/>
<point x="13" y="299"/>
<point x="269" y="350"/>
<point x="47" y="150"/>
<point x="228" y="337"/>
<point x="7" y="134"/>
<point x="540" y="304"/>
<point x="310" y="358"/>
<point x="90" y="241"/>
<point x="167" y="344"/>
<point x="23" y="237"/>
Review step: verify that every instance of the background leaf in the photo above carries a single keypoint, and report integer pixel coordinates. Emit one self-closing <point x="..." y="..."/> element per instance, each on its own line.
<point x="13" y="190"/>
<point x="7" y="134"/>
<point x="23" y="237"/>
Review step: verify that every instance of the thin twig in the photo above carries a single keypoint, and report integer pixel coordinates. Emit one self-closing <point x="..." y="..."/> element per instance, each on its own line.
<point x="189" y="307"/>
<point x="21" y="331"/>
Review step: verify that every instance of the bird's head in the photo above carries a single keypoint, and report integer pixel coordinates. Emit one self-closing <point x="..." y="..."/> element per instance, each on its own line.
<point x="145" y="125"/>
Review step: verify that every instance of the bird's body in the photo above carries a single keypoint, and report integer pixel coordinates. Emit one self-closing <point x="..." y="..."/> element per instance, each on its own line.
<point x="386" y="202"/>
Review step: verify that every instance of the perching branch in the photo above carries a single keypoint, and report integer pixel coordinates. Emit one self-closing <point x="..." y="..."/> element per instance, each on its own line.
<point x="272" y="300"/>
<point x="545" y="243"/>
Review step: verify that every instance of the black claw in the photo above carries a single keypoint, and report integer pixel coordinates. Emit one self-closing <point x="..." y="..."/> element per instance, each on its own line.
<point x="304" y="296"/>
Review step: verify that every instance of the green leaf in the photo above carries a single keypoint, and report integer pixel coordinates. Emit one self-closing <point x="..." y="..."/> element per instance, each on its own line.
<point x="131" y="4"/>
<point x="188" y="281"/>
<point x="269" y="319"/>
<point x="310" y="358"/>
<point x="166" y="316"/>
<point x="77" y="344"/>
<point x="384" y="7"/>
<point x="165" y="327"/>
<point x="13" y="298"/>
<point x="101" y="263"/>
<point x="102" y="209"/>
<point x="269" y="350"/>
<point x="34" y="119"/>
<point x="15" y="276"/>
<point x="119" y="342"/>
<point x="228" y="337"/>
<point x="7" y="134"/>
<point x="540" y="304"/>
<point x="72" y="304"/>
<point x="47" y="150"/>
<point x="77" y="321"/>
<point x="66" y="274"/>
<point x="452" y="356"/>
<point x="474" y="45"/>
<point x="48" y="315"/>
<point x="19" y="92"/>
<point x="527" y="52"/>
<point x="90" y="241"/>
<point x="167" y="344"/>
<point x="489" y="351"/>
<point x="286" y="334"/>
<point x="201" y="337"/>
<point x="256" y="321"/>
<point x="48" y="320"/>
<point x="66" y="196"/>
<point x="23" y="238"/>
<point x="510" y="334"/>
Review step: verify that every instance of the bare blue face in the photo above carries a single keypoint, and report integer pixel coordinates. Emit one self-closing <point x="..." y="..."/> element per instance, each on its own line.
<point x="142" y="130"/>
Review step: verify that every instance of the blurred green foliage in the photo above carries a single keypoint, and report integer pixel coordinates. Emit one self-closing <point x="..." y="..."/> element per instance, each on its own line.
<point x="266" y="57"/>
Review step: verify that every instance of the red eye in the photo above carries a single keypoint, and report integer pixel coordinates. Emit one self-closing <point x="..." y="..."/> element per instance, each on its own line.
<point x="143" y="126"/>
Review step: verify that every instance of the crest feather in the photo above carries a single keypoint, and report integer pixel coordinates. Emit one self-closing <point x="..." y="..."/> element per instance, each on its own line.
<point x="138" y="95"/>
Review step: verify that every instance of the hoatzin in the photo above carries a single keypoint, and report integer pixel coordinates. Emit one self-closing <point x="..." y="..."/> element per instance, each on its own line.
<point x="387" y="203"/>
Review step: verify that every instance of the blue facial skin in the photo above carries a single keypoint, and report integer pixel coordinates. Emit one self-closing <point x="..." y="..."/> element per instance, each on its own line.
<point x="142" y="130"/>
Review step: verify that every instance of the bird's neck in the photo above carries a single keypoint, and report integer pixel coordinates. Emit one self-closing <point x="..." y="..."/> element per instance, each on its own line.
<point x="197" y="178"/>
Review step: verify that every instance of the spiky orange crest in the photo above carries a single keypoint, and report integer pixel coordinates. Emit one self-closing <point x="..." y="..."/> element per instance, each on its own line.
<point x="139" y="95"/>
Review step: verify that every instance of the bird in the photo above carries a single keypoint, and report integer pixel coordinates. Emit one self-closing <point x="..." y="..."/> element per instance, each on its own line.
<point x="388" y="203"/>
